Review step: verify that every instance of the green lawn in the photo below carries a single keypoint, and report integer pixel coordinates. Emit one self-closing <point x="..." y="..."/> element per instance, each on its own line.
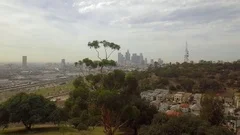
<point x="55" y="90"/>
<point x="52" y="130"/>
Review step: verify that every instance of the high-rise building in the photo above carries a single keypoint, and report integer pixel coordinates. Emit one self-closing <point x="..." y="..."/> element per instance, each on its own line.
<point x="146" y="61"/>
<point x="127" y="56"/>
<point x="160" y="61"/>
<point x="141" y="60"/>
<point x="24" y="61"/>
<point x="63" y="63"/>
<point x="121" y="59"/>
<point x="134" y="58"/>
<point x="152" y="61"/>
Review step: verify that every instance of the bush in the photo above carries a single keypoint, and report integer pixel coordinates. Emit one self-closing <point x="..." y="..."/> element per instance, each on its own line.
<point x="82" y="126"/>
<point x="75" y="122"/>
<point x="172" y="87"/>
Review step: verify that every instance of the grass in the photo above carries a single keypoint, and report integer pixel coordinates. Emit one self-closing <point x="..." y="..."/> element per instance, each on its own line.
<point x="52" y="130"/>
<point x="51" y="91"/>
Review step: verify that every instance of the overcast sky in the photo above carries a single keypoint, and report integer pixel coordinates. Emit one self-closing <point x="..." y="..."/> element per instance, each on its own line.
<point x="49" y="30"/>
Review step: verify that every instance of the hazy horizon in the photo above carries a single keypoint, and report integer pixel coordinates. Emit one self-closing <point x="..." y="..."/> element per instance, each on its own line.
<point x="51" y="30"/>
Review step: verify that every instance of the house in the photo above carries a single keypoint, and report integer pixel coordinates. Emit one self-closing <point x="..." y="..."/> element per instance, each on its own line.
<point x="163" y="107"/>
<point x="173" y="113"/>
<point x="152" y="95"/>
<point x="186" y="97"/>
<point x="162" y="94"/>
<point x="228" y="101"/>
<point x="175" y="107"/>
<point x="229" y="111"/>
<point x="184" y="108"/>
<point x="197" y="98"/>
<point x="178" y="97"/>
<point x="237" y="100"/>
<point x="195" y="109"/>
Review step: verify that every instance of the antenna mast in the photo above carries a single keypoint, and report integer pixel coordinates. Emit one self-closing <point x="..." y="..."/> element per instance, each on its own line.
<point x="186" y="56"/>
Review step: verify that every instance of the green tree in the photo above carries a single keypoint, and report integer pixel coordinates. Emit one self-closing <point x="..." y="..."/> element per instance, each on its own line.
<point x="187" y="84"/>
<point x="113" y="109"/>
<point x="4" y="117"/>
<point x="29" y="109"/>
<point x="183" y="125"/>
<point x="58" y="116"/>
<point x="209" y="84"/>
<point x="212" y="110"/>
<point x="96" y="45"/>
<point x="142" y="115"/>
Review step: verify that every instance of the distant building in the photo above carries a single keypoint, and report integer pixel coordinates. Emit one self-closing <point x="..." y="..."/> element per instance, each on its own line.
<point x="121" y="59"/>
<point x="152" y="61"/>
<point x="63" y="63"/>
<point x="160" y="61"/>
<point x="128" y="56"/>
<point x="146" y="61"/>
<point x="141" y="59"/>
<point x="24" y="62"/>
<point x="134" y="58"/>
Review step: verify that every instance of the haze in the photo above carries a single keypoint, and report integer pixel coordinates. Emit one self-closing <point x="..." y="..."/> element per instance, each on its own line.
<point x="49" y="30"/>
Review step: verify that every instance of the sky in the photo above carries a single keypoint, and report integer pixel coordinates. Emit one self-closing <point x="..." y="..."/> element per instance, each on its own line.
<point x="50" y="30"/>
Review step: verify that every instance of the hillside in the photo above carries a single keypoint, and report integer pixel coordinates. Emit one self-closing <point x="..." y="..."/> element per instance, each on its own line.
<point x="205" y="76"/>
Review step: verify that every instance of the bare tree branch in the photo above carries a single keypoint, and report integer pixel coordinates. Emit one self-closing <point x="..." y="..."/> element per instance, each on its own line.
<point x="106" y="52"/>
<point x="110" y="54"/>
<point x="98" y="55"/>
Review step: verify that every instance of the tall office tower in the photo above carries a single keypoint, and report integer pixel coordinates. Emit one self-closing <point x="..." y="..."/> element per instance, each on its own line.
<point x="134" y="58"/>
<point x="127" y="56"/>
<point x="138" y="60"/>
<point x="121" y="59"/>
<point x="141" y="60"/>
<point x="24" y="62"/>
<point x="152" y="61"/>
<point x="146" y="61"/>
<point x="63" y="63"/>
<point x="160" y="61"/>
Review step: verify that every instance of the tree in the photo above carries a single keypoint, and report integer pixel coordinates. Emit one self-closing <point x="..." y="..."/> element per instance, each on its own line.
<point x="212" y="110"/>
<point x="131" y="85"/>
<point x="183" y="125"/>
<point x="29" y="109"/>
<point x="113" y="109"/>
<point x="58" y="116"/>
<point x="4" y="117"/>
<point x="209" y="84"/>
<point x="142" y="115"/>
<point x="114" y="80"/>
<point x="187" y="84"/>
<point x="106" y="45"/>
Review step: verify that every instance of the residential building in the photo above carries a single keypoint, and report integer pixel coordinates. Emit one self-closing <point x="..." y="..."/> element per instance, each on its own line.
<point x="195" y="109"/>
<point x="186" y="97"/>
<point x="178" y="97"/>
<point x="197" y="98"/>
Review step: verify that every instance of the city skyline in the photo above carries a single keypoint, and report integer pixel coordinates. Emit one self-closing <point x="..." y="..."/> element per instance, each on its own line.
<point x="47" y="31"/>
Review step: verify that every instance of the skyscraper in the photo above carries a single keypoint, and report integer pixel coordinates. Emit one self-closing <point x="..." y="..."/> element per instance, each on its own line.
<point x="121" y="59"/>
<point x="24" y="62"/>
<point x="152" y="61"/>
<point x="160" y="61"/>
<point x="128" y="56"/>
<point x="134" y="58"/>
<point x="63" y="63"/>
<point x="141" y="59"/>
<point x="146" y="61"/>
